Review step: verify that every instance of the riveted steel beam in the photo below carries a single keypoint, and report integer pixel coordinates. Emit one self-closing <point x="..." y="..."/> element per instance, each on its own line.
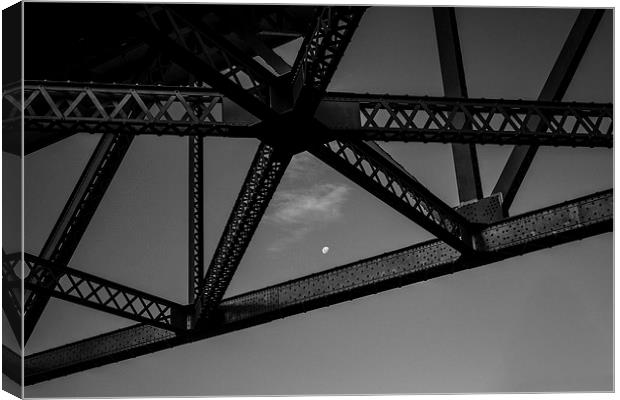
<point x="562" y="223"/>
<point x="321" y="52"/>
<point x="195" y="217"/>
<point x="55" y="110"/>
<point x="367" y="165"/>
<point x="259" y="186"/>
<point x="484" y="121"/>
<point x="68" y="108"/>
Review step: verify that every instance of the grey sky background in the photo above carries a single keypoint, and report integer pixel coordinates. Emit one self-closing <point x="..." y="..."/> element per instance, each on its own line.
<point x="540" y="322"/>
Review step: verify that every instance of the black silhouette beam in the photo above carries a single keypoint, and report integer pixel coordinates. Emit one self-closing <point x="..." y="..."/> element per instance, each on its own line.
<point x="556" y="85"/>
<point x="454" y="85"/>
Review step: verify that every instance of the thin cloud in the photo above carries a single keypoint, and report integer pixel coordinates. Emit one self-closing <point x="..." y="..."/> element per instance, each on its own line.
<point x="300" y="211"/>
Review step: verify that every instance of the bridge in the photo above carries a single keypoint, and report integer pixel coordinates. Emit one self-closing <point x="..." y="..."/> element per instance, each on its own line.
<point x="199" y="71"/>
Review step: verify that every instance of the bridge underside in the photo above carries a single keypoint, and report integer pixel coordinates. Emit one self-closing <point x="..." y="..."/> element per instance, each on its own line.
<point x="204" y="71"/>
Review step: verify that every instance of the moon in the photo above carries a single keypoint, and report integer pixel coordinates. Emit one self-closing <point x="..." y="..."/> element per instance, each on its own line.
<point x="324" y="250"/>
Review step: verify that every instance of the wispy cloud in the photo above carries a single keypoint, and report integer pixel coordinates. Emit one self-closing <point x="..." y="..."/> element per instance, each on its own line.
<point x="299" y="211"/>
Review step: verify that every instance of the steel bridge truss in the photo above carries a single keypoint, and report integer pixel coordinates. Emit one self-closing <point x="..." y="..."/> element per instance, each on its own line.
<point x="289" y="110"/>
<point x="54" y="110"/>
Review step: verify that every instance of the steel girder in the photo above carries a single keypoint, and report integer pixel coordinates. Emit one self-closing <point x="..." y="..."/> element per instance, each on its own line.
<point x="484" y="121"/>
<point x="55" y="110"/>
<point x="366" y="165"/>
<point x="259" y="186"/>
<point x="195" y="217"/>
<point x="76" y="215"/>
<point x="562" y="223"/>
<point x="465" y="156"/>
<point x="556" y="85"/>
<point x="321" y="53"/>
<point x="86" y="289"/>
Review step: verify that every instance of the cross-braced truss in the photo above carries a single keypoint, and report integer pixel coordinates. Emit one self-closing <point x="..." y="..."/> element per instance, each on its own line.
<point x="289" y="110"/>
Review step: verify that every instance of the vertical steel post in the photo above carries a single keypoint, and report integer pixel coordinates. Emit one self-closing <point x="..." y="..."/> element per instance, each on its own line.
<point x="454" y="85"/>
<point x="196" y="222"/>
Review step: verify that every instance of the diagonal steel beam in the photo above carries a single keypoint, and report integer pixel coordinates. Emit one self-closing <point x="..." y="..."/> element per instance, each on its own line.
<point x="556" y="85"/>
<point x="454" y="85"/>
<point x="573" y="220"/>
<point x="76" y="215"/>
<point x="370" y="167"/>
<point x="259" y="186"/>
<point x="321" y="53"/>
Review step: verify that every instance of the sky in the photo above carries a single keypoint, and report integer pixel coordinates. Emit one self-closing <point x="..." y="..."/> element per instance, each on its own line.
<point x="539" y="322"/>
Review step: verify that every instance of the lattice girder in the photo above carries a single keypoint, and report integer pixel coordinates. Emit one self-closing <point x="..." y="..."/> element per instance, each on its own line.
<point x="484" y="121"/>
<point x="89" y="290"/>
<point x="259" y="186"/>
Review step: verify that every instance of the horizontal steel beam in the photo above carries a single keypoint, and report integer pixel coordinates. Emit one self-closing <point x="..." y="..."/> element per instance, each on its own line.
<point x="89" y="290"/>
<point x="482" y="121"/>
<point x="55" y="110"/>
<point x="572" y="220"/>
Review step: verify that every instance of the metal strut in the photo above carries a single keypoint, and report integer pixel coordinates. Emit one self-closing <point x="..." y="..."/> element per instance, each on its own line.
<point x="556" y="85"/>
<point x="195" y="218"/>
<point x="259" y="186"/>
<point x="368" y="166"/>
<point x="76" y="215"/>
<point x="56" y="110"/>
<point x="454" y="85"/>
<point x="485" y="121"/>
<point x="88" y="290"/>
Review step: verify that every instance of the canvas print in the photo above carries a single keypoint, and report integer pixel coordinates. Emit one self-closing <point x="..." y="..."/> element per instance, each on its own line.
<point x="233" y="199"/>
